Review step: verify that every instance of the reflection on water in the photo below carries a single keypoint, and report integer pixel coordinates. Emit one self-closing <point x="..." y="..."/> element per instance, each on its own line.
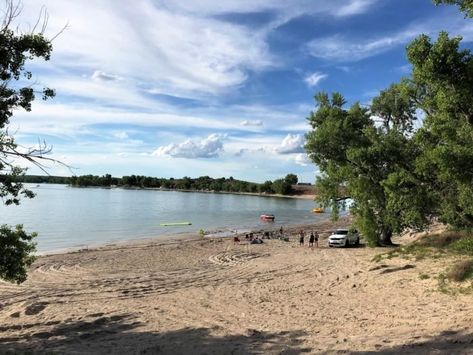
<point x="68" y="217"/>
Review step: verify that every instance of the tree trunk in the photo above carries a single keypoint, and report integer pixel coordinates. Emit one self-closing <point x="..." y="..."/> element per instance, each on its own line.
<point x="385" y="237"/>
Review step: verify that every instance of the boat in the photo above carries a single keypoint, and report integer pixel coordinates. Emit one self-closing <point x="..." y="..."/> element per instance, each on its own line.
<point x="170" y="224"/>
<point x="318" y="210"/>
<point x="267" y="217"/>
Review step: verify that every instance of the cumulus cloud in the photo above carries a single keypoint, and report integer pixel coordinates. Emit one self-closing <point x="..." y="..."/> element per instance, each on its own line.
<point x="255" y="123"/>
<point x="313" y="79"/>
<point x="209" y="147"/>
<point x="243" y="151"/>
<point x="291" y="144"/>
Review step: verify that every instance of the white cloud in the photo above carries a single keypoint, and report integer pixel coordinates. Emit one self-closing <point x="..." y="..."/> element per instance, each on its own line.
<point x="209" y="147"/>
<point x="355" y="7"/>
<point x="256" y="123"/>
<point x="313" y="79"/>
<point x="347" y="49"/>
<point x="172" y="51"/>
<point x="102" y="76"/>
<point x="302" y="159"/>
<point x="281" y="7"/>
<point x="121" y="135"/>
<point x="291" y="144"/>
<point x="243" y="151"/>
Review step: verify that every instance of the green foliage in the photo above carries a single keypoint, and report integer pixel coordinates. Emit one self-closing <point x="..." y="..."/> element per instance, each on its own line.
<point x="17" y="91"/>
<point x="442" y="81"/>
<point x="463" y="246"/>
<point x="291" y="179"/>
<point x="357" y="158"/>
<point x="465" y="5"/>
<point x="16" y="249"/>
<point x="281" y="187"/>
<point x="435" y="245"/>
<point x="203" y="183"/>
<point x="266" y="187"/>
<point x="399" y="177"/>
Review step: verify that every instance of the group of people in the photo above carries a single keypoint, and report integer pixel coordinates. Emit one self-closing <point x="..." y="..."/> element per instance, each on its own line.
<point x="255" y="239"/>
<point x="313" y="238"/>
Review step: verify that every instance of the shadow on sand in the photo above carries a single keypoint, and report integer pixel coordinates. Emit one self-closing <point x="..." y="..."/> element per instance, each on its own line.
<point x="121" y="334"/>
<point x="447" y="342"/>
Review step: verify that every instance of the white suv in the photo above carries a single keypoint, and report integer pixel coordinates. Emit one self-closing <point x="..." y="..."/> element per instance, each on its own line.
<point x="343" y="238"/>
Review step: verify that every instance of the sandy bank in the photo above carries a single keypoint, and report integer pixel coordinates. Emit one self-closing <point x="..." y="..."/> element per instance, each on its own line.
<point x="216" y="297"/>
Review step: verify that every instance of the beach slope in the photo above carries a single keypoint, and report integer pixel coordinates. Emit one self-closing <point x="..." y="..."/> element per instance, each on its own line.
<point x="218" y="297"/>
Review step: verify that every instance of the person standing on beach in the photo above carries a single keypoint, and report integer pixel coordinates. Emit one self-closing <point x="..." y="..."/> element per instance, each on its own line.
<point x="316" y="239"/>
<point x="311" y="239"/>
<point x="301" y="238"/>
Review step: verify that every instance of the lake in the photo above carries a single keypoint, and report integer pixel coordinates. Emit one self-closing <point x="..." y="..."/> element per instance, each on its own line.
<point x="67" y="217"/>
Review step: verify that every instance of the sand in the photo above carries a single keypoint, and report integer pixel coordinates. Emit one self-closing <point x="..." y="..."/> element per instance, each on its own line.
<point x="213" y="296"/>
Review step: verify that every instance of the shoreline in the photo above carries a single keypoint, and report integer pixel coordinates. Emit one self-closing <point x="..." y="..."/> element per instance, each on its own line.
<point x="257" y="194"/>
<point x="216" y="296"/>
<point x="194" y="236"/>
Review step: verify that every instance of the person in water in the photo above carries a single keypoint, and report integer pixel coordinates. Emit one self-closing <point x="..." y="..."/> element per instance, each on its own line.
<point x="301" y="237"/>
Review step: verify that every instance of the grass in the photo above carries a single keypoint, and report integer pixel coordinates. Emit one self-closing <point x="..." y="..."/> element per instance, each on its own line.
<point x="424" y="276"/>
<point x="456" y="244"/>
<point x="433" y="246"/>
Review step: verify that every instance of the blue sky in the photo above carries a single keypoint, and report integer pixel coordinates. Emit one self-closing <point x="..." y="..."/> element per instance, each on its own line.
<point x="174" y="88"/>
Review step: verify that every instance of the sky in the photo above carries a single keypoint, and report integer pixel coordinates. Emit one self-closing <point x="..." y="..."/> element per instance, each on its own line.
<point x="174" y="88"/>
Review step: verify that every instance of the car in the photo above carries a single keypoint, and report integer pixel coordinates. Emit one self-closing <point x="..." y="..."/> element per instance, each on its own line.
<point x="344" y="238"/>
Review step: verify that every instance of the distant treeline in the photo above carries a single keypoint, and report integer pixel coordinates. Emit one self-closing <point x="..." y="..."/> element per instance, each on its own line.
<point x="203" y="183"/>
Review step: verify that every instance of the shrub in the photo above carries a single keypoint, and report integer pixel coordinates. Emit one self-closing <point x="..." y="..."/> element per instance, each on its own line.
<point x="461" y="271"/>
<point x="442" y="240"/>
<point x="16" y="253"/>
<point x="463" y="246"/>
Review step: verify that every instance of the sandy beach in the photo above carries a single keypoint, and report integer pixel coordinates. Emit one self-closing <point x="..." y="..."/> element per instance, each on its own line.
<point x="213" y="296"/>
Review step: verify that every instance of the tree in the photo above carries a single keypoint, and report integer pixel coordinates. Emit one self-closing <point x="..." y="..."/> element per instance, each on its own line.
<point x="281" y="187"/>
<point x="16" y="248"/>
<point x="442" y="83"/>
<point x="16" y="92"/>
<point x="291" y="179"/>
<point x="465" y="5"/>
<point x="358" y="157"/>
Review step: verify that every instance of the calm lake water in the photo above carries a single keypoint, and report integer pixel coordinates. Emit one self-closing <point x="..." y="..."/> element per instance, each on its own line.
<point x="67" y="217"/>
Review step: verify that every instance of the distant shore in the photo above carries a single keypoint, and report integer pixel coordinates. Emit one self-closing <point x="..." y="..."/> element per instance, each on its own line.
<point x="298" y="196"/>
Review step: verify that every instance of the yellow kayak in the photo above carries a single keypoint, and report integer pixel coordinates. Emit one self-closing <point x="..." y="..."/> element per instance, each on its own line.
<point x="318" y="210"/>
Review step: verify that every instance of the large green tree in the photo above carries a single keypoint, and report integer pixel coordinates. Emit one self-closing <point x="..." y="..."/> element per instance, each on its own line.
<point x="358" y="156"/>
<point x="17" y="91"/>
<point x="397" y="176"/>
<point x="442" y="83"/>
<point x="465" y="5"/>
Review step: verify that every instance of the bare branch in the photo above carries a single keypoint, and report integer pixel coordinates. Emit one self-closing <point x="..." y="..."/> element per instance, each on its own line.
<point x="66" y="26"/>
<point x="12" y="11"/>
